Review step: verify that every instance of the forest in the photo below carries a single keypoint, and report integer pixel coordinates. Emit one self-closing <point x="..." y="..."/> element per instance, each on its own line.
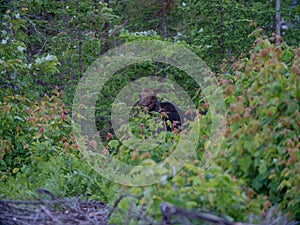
<point x="150" y="112"/>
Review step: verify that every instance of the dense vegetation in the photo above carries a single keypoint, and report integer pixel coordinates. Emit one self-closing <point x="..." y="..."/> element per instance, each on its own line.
<point x="45" y="48"/>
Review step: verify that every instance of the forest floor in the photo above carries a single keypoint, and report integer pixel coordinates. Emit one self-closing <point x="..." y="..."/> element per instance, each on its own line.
<point x="55" y="211"/>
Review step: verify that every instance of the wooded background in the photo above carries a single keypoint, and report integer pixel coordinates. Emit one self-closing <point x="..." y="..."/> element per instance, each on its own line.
<point x="252" y="48"/>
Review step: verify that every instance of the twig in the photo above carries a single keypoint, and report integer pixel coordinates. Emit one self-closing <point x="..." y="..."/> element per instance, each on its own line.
<point x="117" y="203"/>
<point x="168" y="210"/>
<point x="34" y="27"/>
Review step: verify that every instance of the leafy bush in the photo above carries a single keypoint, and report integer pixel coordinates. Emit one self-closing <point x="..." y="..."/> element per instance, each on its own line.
<point x="15" y="132"/>
<point x="63" y="175"/>
<point x="32" y="129"/>
<point x="262" y="95"/>
<point x="38" y="150"/>
<point x="258" y="165"/>
<point x="212" y="189"/>
<point x="261" y="168"/>
<point x="20" y="72"/>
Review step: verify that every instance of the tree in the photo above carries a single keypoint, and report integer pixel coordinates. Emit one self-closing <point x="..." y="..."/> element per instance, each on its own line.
<point x="278" y="21"/>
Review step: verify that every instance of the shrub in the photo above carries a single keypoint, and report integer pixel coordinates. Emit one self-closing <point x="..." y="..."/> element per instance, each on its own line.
<point x="262" y="95"/>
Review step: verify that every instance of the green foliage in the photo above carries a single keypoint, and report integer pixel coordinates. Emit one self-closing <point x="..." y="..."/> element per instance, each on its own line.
<point x="147" y="15"/>
<point x="263" y="122"/>
<point x="63" y="175"/>
<point x="110" y="91"/>
<point x="21" y="72"/>
<point x="258" y="164"/>
<point x="134" y="72"/>
<point x="32" y="129"/>
<point x="193" y="187"/>
<point x="51" y="43"/>
<point x="218" y="30"/>
<point x="265" y="13"/>
<point x="40" y="38"/>
<point x="211" y="189"/>
<point x="144" y="126"/>
<point x="38" y="150"/>
<point x="15" y="133"/>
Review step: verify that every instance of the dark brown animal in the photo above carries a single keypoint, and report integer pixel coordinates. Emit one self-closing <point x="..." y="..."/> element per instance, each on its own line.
<point x="168" y="111"/>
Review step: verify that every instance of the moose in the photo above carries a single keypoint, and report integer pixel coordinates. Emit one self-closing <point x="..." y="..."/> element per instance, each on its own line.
<point x="167" y="110"/>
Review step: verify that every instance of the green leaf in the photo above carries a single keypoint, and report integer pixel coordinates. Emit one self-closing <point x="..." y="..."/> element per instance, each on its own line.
<point x="245" y="163"/>
<point x="37" y="136"/>
<point x="191" y="204"/>
<point x="262" y="167"/>
<point x="113" y="144"/>
<point x="15" y="170"/>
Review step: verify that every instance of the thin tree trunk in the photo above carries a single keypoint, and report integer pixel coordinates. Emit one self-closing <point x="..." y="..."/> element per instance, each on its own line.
<point x="222" y="31"/>
<point x="278" y="21"/>
<point x="164" y="25"/>
<point x="105" y="29"/>
<point x="80" y="56"/>
<point x="80" y="43"/>
<point x="165" y="4"/>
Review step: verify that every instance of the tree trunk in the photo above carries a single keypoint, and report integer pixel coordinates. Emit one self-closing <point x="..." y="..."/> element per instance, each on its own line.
<point x="80" y="43"/>
<point x="222" y="39"/>
<point x="278" y="21"/>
